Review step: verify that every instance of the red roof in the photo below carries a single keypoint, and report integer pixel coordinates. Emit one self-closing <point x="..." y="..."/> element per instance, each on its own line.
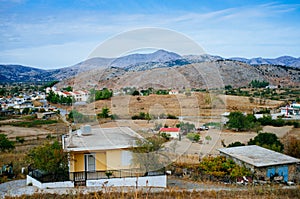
<point x="170" y="129"/>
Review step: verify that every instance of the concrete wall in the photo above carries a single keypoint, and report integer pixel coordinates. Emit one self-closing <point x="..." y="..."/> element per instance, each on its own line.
<point x="151" y="181"/>
<point x="154" y="181"/>
<point x="34" y="182"/>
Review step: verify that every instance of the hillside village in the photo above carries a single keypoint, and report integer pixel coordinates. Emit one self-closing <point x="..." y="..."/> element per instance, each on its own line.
<point x="126" y="130"/>
<point x="188" y="140"/>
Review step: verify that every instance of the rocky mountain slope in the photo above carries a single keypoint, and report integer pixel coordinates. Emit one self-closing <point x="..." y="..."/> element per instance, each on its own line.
<point x="161" y="69"/>
<point x="282" y="61"/>
<point x="19" y="73"/>
<point x="213" y="74"/>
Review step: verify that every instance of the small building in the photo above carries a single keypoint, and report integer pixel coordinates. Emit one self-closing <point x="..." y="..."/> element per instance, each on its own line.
<point x="264" y="163"/>
<point x="45" y="115"/>
<point x="173" y="132"/>
<point x="293" y="109"/>
<point x="173" y="92"/>
<point x="95" y="154"/>
<point x="80" y="96"/>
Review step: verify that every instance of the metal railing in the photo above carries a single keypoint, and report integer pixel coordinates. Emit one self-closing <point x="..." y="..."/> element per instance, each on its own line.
<point x="45" y="177"/>
<point x="107" y="174"/>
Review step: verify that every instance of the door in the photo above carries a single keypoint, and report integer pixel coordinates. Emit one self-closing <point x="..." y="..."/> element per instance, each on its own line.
<point x="271" y="172"/>
<point x="89" y="161"/>
<point x="283" y="171"/>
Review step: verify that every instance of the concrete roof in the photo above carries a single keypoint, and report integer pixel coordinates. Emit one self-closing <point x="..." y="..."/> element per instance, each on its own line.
<point x="258" y="156"/>
<point x="101" y="139"/>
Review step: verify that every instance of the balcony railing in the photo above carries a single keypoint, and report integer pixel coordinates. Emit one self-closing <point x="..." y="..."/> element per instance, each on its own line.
<point x="122" y="173"/>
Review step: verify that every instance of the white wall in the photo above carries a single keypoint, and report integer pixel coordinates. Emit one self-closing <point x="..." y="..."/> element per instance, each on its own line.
<point x="155" y="181"/>
<point x="34" y="182"/>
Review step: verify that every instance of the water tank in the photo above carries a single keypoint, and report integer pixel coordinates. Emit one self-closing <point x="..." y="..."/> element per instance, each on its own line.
<point x="86" y="130"/>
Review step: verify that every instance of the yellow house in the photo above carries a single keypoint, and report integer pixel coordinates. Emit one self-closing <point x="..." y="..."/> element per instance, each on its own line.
<point x="97" y="153"/>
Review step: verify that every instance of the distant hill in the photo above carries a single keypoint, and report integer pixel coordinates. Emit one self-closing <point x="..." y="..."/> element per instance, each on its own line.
<point x="111" y="72"/>
<point x="195" y="75"/>
<point x="282" y="61"/>
<point x="19" y="73"/>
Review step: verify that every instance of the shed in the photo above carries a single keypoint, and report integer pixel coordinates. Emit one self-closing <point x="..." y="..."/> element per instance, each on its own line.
<point x="264" y="163"/>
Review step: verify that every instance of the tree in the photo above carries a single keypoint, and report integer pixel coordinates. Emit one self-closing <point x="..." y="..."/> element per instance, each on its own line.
<point x="104" y="113"/>
<point x="267" y="140"/>
<point x="251" y="100"/>
<point x="240" y="122"/>
<point x="228" y="87"/>
<point x="236" y="121"/>
<point x="69" y="89"/>
<point x="193" y="137"/>
<point x="146" y="153"/>
<point x="5" y="143"/>
<point x="100" y="94"/>
<point x="221" y="167"/>
<point x="25" y="111"/>
<point x="234" y="144"/>
<point x="50" y="158"/>
<point x="258" y="84"/>
<point x="165" y="135"/>
<point x="186" y="127"/>
<point x="292" y="147"/>
<point x="135" y="93"/>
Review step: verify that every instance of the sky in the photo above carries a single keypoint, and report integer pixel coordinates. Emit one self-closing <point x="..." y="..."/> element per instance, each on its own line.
<point x="53" y="34"/>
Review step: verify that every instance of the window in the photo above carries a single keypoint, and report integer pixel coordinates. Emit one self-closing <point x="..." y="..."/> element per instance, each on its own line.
<point x="90" y="162"/>
<point x="126" y="158"/>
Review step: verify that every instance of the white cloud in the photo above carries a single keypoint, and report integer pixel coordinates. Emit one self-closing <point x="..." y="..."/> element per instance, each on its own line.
<point x="67" y="38"/>
<point x="49" y="56"/>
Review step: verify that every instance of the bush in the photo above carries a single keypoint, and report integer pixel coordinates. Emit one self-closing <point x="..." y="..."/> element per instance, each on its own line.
<point x="193" y="137"/>
<point x="5" y="143"/>
<point x="165" y="135"/>
<point x="234" y="144"/>
<point x="258" y="84"/>
<point x="267" y="140"/>
<point x="221" y="167"/>
<point x="240" y="122"/>
<point x="135" y="93"/>
<point x="141" y="116"/>
<point x="186" y="127"/>
<point x="20" y="139"/>
<point x="169" y="116"/>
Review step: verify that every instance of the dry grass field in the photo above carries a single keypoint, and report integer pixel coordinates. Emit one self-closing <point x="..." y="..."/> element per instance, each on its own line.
<point x="198" y="104"/>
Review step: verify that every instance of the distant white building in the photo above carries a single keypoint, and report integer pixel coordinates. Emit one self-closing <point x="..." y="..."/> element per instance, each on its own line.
<point x="173" y="92"/>
<point x="173" y="132"/>
<point x="79" y="96"/>
<point x="293" y="109"/>
<point x="272" y="87"/>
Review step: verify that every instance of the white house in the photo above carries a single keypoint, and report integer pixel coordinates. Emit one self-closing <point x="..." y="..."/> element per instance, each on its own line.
<point x="173" y="132"/>
<point x="173" y="92"/>
<point x="293" y="109"/>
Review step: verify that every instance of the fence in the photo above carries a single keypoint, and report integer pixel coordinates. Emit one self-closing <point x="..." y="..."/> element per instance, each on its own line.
<point x="44" y="177"/>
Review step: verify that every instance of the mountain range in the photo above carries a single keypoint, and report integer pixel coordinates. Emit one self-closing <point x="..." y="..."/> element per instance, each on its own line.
<point x="113" y="69"/>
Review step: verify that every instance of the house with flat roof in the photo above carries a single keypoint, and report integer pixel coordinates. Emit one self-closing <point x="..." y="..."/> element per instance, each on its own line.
<point x="97" y="154"/>
<point x="264" y="163"/>
<point x="290" y="110"/>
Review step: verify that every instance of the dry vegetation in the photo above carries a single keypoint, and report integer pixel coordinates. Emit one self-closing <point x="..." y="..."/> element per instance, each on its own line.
<point x="249" y="193"/>
<point x="33" y="136"/>
<point x="198" y="104"/>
